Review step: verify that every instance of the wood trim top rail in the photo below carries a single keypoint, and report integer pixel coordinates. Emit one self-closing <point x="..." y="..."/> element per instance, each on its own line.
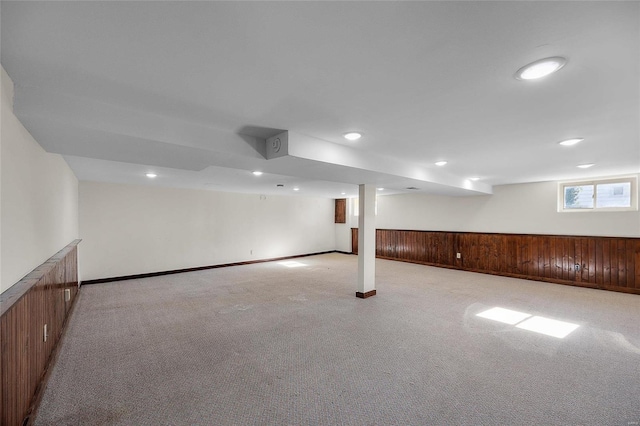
<point x="515" y="234"/>
<point x="13" y="294"/>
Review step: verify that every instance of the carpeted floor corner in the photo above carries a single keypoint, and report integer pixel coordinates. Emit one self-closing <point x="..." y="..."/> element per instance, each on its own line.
<point x="267" y="344"/>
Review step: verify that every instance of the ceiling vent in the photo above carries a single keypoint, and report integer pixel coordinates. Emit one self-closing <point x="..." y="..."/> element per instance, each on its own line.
<point x="412" y="188"/>
<point x="278" y="146"/>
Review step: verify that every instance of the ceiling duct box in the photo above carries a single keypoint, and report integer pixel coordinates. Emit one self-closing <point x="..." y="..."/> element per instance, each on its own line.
<point x="278" y="146"/>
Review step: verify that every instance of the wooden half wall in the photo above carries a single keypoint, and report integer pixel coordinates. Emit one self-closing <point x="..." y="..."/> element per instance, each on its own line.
<point x="25" y="308"/>
<point x="611" y="263"/>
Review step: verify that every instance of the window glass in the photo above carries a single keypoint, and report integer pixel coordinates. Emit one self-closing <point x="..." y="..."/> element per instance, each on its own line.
<point x="578" y="197"/>
<point x="613" y="194"/>
<point x="599" y="195"/>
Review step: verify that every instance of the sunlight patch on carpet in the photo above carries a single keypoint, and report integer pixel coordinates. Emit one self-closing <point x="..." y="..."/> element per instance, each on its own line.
<point x="524" y="321"/>
<point x="506" y="316"/>
<point x="550" y="327"/>
<point x="291" y="264"/>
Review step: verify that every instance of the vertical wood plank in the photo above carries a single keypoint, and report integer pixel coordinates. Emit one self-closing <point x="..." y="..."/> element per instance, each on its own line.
<point x="450" y="249"/>
<point x="520" y="255"/>
<point x="622" y="263"/>
<point x="631" y="264"/>
<point x="592" y="261"/>
<point x="480" y="255"/>
<point x="402" y="245"/>
<point x="433" y="249"/>
<point x="569" y="254"/>
<point x="484" y="259"/>
<point x="583" y="260"/>
<point x="492" y="251"/>
<point x="498" y="253"/>
<point x="442" y="251"/>
<point x="468" y="251"/>
<point x="510" y="255"/>
<point x="354" y="240"/>
<point x="599" y="262"/>
<point x="534" y="244"/>
<point x="560" y="261"/>
<point x="556" y="259"/>
<point x="606" y="261"/>
<point x="409" y="246"/>
<point x="420" y="246"/>
<point x="381" y="242"/>
<point x="406" y="245"/>
<point x="415" y="238"/>
<point x="613" y="262"/>
<point x="519" y="264"/>
<point x="547" y="250"/>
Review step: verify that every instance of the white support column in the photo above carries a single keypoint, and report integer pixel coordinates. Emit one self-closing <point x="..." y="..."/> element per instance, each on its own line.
<point x="367" y="242"/>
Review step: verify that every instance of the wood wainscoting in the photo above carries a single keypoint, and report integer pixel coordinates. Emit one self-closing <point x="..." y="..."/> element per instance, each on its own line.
<point x="25" y="308"/>
<point x="610" y="263"/>
<point x="341" y="210"/>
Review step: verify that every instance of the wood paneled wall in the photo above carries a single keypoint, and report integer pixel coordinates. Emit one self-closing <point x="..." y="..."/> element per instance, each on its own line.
<point x="611" y="263"/>
<point x="36" y="300"/>
<point x="341" y="210"/>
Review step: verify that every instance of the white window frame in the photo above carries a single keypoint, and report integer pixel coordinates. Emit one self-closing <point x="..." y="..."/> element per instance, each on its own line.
<point x="633" y="180"/>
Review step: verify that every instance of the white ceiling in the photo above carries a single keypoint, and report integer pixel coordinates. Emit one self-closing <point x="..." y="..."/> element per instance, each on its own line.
<point x="190" y="90"/>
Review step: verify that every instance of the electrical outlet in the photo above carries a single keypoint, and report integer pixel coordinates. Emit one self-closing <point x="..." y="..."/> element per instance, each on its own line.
<point x="45" y="334"/>
<point x="458" y="255"/>
<point x="67" y="294"/>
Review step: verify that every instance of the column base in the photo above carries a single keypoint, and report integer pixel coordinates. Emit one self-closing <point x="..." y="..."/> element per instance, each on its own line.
<point x="365" y="295"/>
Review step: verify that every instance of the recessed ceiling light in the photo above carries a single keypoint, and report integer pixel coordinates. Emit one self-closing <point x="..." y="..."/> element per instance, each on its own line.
<point x="570" y="142"/>
<point x="474" y="178"/>
<point x="343" y="193"/>
<point x="296" y="189"/>
<point x="586" y="166"/>
<point x="353" y="136"/>
<point x="257" y="173"/>
<point x="441" y="163"/>
<point x="541" y="68"/>
<point x="151" y="175"/>
<point x="380" y="189"/>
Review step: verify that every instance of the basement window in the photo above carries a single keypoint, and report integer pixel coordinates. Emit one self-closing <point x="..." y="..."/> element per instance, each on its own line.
<point x="620" y="194"/>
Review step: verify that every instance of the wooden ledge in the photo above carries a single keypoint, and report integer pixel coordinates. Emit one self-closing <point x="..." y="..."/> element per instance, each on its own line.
<point x="13" y="294"/>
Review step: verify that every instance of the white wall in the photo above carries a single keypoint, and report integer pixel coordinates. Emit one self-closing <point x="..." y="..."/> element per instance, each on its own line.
<point x="343" y="236"/>
<point x="39" y="192"/>
<point x="132" y="229"/>
<point x="519" y="209"/>
<point x="523" y="208"/>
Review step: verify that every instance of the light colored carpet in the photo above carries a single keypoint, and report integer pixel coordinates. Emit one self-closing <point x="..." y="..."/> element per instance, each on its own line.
<point x="265" y="344"/>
